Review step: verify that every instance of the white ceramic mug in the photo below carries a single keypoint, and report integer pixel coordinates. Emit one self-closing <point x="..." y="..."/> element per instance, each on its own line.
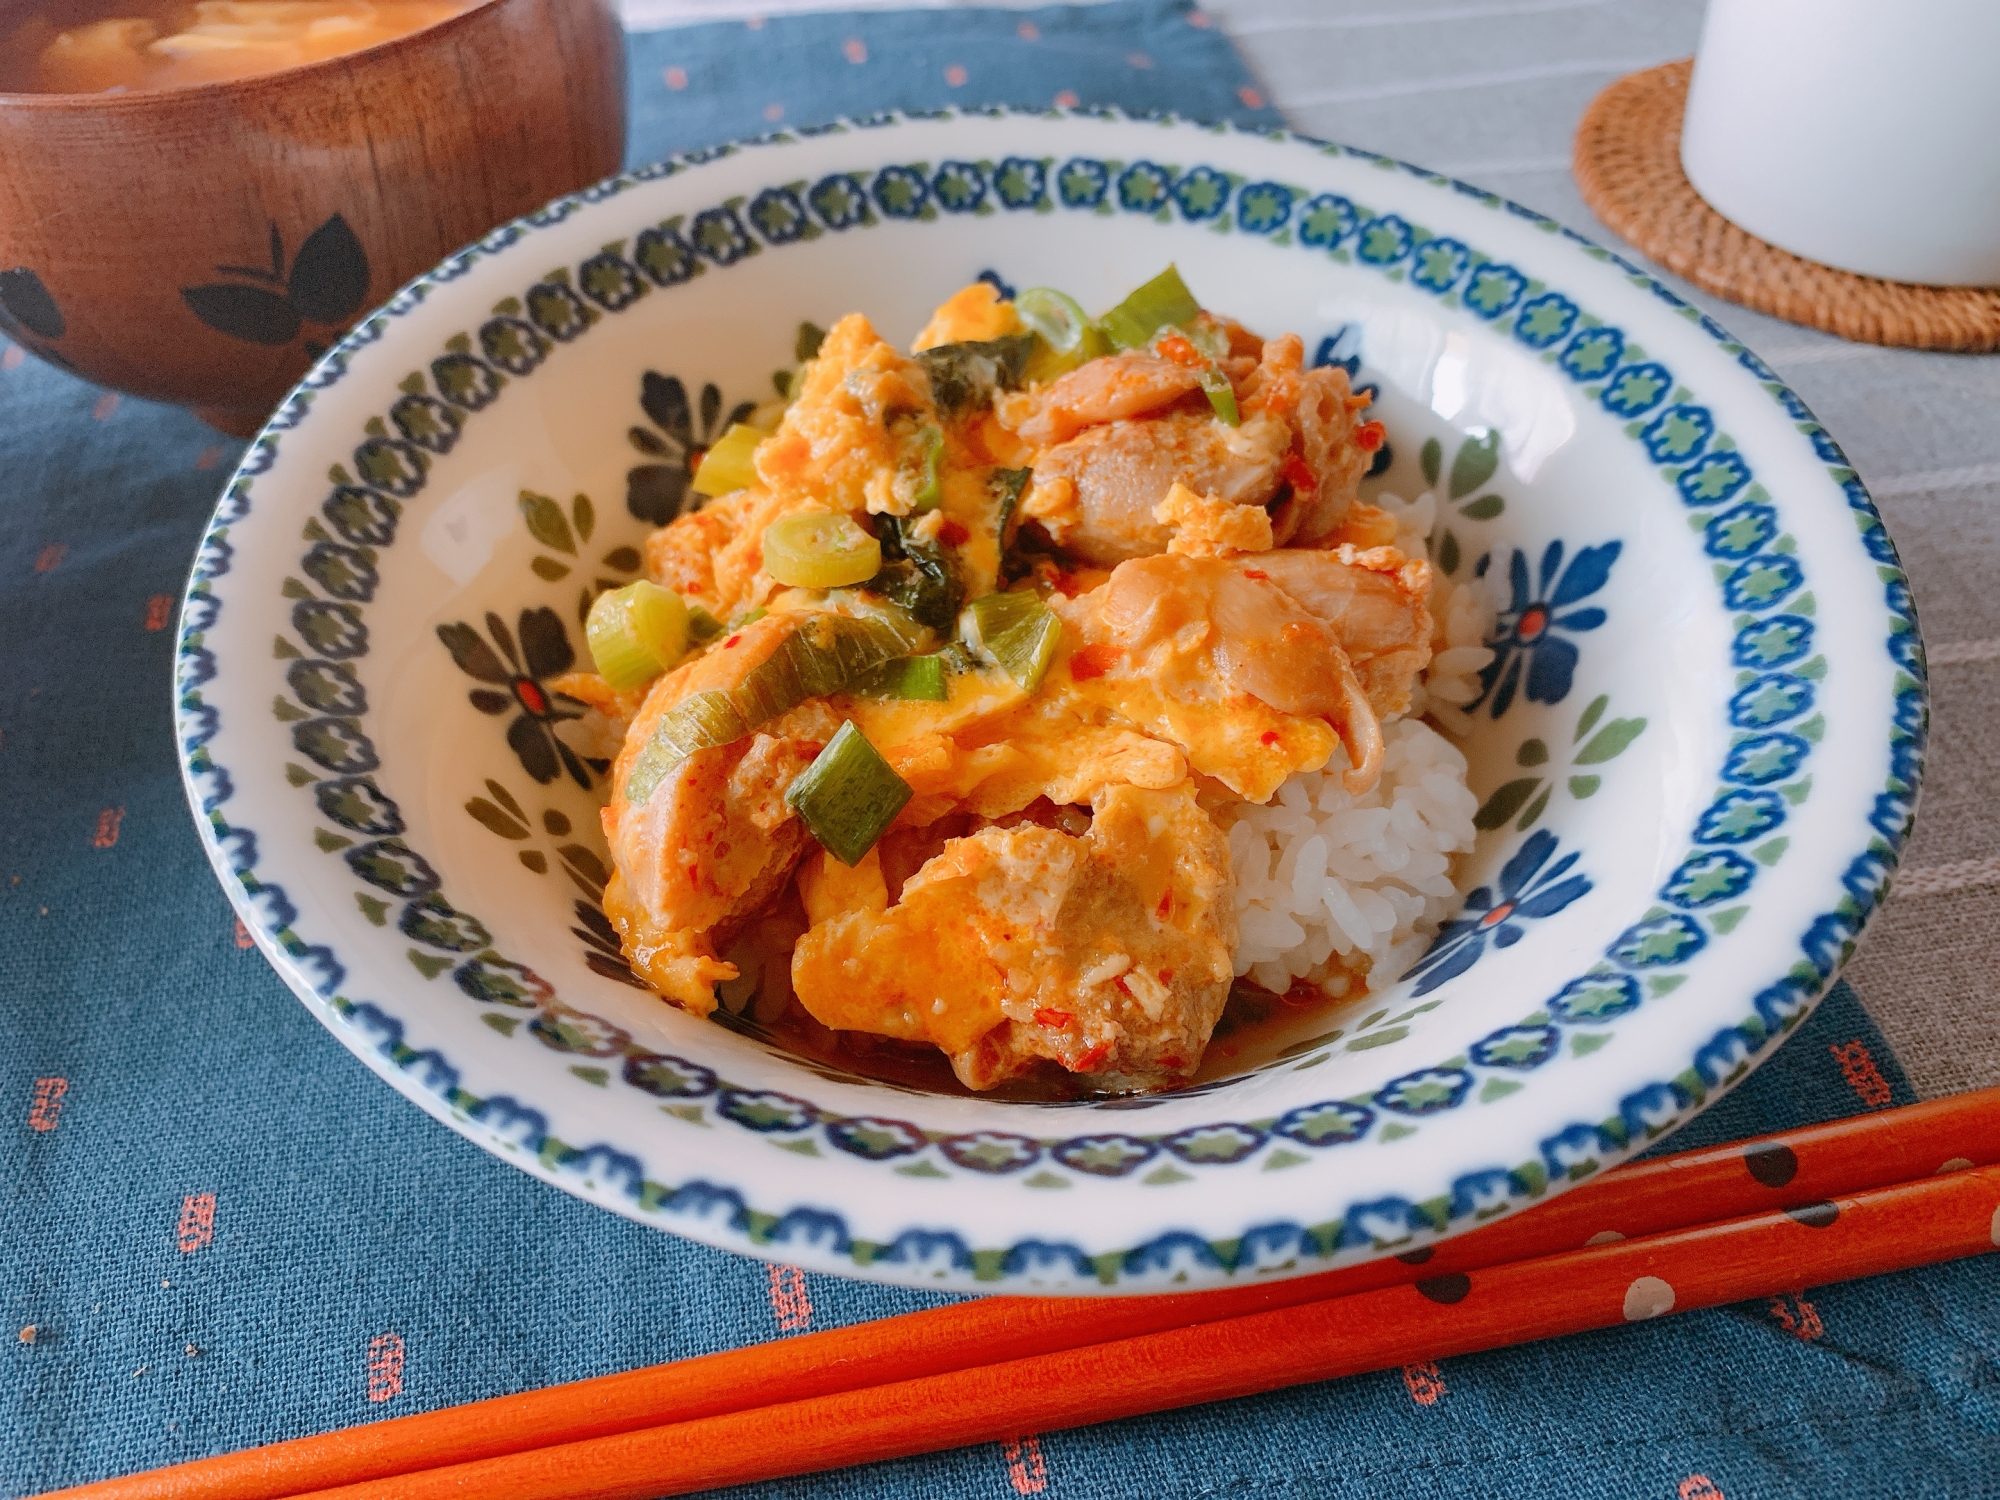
<point x="1863" y="134"/>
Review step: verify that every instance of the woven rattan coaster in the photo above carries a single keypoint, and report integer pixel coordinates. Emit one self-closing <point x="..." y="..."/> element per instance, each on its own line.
<point x="1628" y="164"/>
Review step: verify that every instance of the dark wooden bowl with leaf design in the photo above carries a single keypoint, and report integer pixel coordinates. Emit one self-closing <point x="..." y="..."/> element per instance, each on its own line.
<point x="204" y="245"/>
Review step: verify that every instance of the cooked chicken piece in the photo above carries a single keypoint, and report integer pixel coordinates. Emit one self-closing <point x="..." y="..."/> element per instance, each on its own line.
<point x="1217" y="656"/>
<point x="1095" y="495"/>
<point x="1118" y="385"/>
<point x="1108" y="954"/>
<point x="713" y="844"/>
<point x="1376" y="602"/>
<point x="716" y="839"/>
<point x="1326" y="413"/>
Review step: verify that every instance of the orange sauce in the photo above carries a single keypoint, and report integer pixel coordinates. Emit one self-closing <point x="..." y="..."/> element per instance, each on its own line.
<point x="99" y="46"/>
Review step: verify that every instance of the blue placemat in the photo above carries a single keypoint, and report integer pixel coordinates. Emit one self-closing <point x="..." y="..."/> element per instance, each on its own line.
<point x="222" y="1230"/>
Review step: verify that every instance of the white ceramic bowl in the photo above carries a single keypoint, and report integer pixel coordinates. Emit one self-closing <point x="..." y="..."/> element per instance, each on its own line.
<point x="1697" y="786"/>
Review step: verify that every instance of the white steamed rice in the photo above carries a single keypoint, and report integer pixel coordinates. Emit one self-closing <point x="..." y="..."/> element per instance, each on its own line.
<point x="1331" y="887"/>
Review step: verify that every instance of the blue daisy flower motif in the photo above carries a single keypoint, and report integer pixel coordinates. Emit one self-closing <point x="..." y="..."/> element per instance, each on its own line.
<point x="1738" y="816"/>
<point x="1762" y="581"/>
<point x="1529" y="648"/>
<point x="1021" y="182"/>
<point x="1740" y="532"/>
<point x="1545" y="320"/>
<point x="1709" y="876"/>
<point x="1529" y="887"/>
<point x="1082" y="182"/>
<point x="1439" y="263"/>
<point x="1327" y="220"/>
<point x="1593" y="354"/>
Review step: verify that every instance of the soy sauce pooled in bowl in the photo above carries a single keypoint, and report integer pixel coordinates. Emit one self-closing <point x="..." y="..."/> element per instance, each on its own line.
<point x="95" y="46"/>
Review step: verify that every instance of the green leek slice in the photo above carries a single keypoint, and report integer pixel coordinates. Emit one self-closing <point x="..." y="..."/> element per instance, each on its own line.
<point x="729" y="466"/>
<point x="1221" y="396"/>
<point x="820" y="549"/>
<point x="930" y="482"/>
<point x="848" y="795"/>
<point x="1019" y="632"/>
<point x="1065" y="337"/>
<point x="703" y="627"/>
<point x="823" y="655"/>
<point x="919" y="678"/>
<point x="1163" y="302"/>
<point x="636" y="633"/>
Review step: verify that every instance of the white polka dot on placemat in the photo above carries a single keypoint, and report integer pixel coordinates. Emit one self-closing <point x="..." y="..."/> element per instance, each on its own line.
<point x="1996" y="1226"/>
<point x="1603" y="1237"/>
<point x="1956" y="1164"/>
<point x="1648" y="1297"/>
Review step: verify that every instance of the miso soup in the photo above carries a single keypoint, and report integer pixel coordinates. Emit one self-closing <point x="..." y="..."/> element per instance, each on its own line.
<point x="99" y="46"/>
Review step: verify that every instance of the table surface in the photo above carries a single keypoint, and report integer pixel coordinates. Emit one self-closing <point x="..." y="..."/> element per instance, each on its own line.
<point x="222" y="1230"/>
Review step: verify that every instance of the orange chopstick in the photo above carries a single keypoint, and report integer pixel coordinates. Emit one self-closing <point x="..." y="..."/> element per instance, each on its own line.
<point x="1671" y="1192"/>
<point x="1863" y="1234"/>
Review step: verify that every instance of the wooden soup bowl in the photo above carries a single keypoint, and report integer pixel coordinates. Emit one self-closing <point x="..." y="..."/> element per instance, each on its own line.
<point x="204" y="245"/>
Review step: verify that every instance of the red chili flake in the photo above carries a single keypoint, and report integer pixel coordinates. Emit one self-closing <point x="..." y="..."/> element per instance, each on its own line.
<point x="1268" y="737"/>
<point x="1092" y="1060"/>
<point x="1167" y="977"/>
<point x="731" y="642"/>
<point x="1055" y="1020"/>
<point x="1173" y="1060"/>
<point x="1122" y="987"/>
<point x="952" y="534"/>
<point x="1177" y="348"/>
<point x="1067" y="585"/>
<point x="1166" y="907"/>
<point x="1087" y="662"/>
<point x="1369" y="436"/>
<point x="1257" y="573"/>
<point x="1295" y="473"/>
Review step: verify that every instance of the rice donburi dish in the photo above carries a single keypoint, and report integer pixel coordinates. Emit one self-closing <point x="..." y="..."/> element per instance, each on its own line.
<point x="1044" y="700"/>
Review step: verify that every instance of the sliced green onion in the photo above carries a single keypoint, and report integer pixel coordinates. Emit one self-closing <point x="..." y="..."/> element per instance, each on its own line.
<point x="728" y="466"/>
<point x="1054" y="315"/>
<point x="820" y="549"/>
<point x="1221" y="396"/>
<point x="823" y="656"/>
<point x="636" y="633"/>
<point x="703" y="627"/>
<point x="1163" y="302"/>
<point x="848" y="795"/>
<point x="1006" y="486"/>
<point x="930" y="488"/>
<point x="1064" y="335"/>
<point x="1019" y="632"/>
<point x="919" y="678"/>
